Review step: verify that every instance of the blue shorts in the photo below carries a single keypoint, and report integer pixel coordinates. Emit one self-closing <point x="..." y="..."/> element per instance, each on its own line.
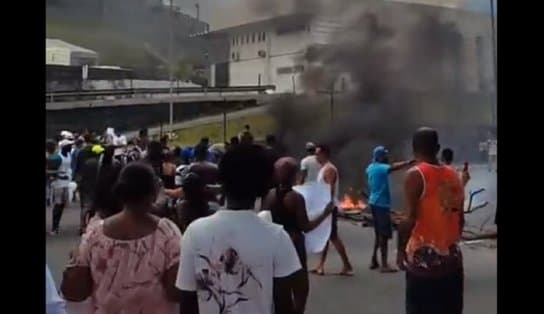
<point x="382" y="221"/>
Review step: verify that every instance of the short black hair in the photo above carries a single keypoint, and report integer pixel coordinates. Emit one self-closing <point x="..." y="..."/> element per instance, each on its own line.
<point x="325" y="149"/>
<point x="201" y="152"/>
<point x="447" y="155"/>
<point x="245" y="172"/>
<point x="154" y="151"/>
<point x="177" y="151"/>
<point x="205" y="140"/>
<point x="234" y="140"/>
<point x="137" y="182"/>
<point x="246" y="127"/>
<point x="425" y="141"/>
<point x="143" y="132"/>
<point x="270" y="139"/>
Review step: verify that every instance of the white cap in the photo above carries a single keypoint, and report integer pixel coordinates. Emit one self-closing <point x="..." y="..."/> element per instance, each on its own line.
<point x="65" y="142"/>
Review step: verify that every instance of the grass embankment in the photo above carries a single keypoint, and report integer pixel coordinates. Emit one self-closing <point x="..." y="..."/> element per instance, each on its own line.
<point x="113" y="47"/>
<point x="261" y="125"/>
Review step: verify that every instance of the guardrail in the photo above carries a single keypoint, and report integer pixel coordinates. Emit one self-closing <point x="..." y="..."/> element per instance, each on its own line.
<point x="86" y="94"/>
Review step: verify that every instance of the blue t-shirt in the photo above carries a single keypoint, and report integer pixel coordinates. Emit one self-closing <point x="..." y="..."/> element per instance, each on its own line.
<point x="378" y="182"/>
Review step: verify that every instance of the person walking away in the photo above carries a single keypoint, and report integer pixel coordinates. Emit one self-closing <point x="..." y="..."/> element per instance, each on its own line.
<point x="233" y="260"/>
<point x="288" y="209"/>
<point x="446" y="157"/>
<point x="329" y="175"/>
<point x="309" y="166"/>
<point x="128" y="263"/>
<point x="429" y="235"/>
<point x="54" y="304"/>
<point x="380" y="204"/>
<point x="60" y="186"/>
<point x="195" y="201"/>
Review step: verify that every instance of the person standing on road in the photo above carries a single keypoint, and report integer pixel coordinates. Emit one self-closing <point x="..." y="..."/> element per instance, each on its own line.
<point x="329" y="175"/>
<point x="446" y="157"/>
<point x="288" y="209"/>
<point x="429" y="235"/>
<point x="309" y="166"/>
<point x="195" y="201"/>
<point x="234" y="261"/>
<point x="380" y="204"/>
<point x="61" y="184"/>
<point x="128" y="263"/>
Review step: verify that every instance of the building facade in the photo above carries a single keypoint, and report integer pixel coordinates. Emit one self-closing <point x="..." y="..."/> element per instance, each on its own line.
<point x="272" y="52"/>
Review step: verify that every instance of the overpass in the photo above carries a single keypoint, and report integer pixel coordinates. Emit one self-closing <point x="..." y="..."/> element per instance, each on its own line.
<point x="149" y="96"/>
<point x="132" y="109"/>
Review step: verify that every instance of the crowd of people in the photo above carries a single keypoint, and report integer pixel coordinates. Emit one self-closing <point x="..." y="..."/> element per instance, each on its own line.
<point x="163" y="227"/>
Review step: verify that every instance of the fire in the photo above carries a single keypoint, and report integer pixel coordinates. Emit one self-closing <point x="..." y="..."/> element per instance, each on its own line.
<point x="351" y="202"/>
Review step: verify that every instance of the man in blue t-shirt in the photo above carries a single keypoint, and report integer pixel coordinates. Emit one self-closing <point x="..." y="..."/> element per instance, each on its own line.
<point x="380" y="203"/>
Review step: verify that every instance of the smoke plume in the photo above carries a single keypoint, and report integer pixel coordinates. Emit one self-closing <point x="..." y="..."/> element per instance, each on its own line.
<point x="403" y="65"/>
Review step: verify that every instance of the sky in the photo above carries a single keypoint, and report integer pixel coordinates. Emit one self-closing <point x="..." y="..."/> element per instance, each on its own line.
<point x="225" y="13"/>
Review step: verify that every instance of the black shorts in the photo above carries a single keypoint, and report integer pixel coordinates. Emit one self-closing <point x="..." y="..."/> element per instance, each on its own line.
<point x="382" y="221"/>
<point x="443" y="295"/>
<point x="334" y="228"/>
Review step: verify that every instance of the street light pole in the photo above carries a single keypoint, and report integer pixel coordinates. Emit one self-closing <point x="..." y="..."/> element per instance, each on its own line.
<point x="170" y="65"/>
<point x="494" y="50"/>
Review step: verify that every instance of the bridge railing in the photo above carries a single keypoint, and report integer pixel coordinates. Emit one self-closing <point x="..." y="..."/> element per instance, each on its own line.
<point x="60" y="96"/>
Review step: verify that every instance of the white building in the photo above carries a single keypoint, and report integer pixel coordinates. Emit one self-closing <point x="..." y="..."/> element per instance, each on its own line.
<point x="270" y="52"/>
<point x="58" y="52"/>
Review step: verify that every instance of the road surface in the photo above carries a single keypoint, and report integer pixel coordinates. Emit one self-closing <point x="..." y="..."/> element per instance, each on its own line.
<point x="368" y="291"/>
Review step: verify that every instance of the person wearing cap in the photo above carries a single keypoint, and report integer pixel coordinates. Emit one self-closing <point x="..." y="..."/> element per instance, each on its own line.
<point x="380" y="203"/>
<point x="309" y="166"/>
<point x="61" y="183"/>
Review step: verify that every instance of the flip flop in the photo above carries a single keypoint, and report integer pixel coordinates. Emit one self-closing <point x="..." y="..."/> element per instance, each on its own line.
<point x="317" y="272"/>
<point x="346" y="273"/>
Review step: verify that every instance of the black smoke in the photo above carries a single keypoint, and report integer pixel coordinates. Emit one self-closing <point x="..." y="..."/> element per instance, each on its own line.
<point x="405" y="71"/>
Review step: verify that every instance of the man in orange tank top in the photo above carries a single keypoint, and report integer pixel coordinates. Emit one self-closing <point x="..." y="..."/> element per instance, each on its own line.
<point x="428" y="237"/>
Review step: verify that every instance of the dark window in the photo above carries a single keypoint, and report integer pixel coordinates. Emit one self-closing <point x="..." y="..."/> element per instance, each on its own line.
<point x="233" y="56"/>
<point x="233" y="40"/>
<point x="252" y="37"/>
<point x="259" y="37"/>
<point x="298" y="68"/>
<point x="285" y="70"/>
<point x="264" y="36"/>
<point x="247" y="38"/>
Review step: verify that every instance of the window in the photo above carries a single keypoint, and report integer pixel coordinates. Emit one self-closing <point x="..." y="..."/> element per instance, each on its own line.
<point x="252" y="37"/>
<point x="264" y="36"/>
<point x="259" y="37"/>
<point x="247" y="38"/>
<point x="285" y="70"/>
<point x="298" y="68"/>
<point x="233" y="40"/>
<point x="233" y="56"/>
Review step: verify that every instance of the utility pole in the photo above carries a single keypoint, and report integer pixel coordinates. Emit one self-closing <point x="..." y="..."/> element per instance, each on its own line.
<point x="171" y="65"/>
<point x="494" y="50"/>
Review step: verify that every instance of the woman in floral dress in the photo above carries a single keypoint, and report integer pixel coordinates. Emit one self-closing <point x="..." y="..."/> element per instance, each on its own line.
<point x="128" y="262"/>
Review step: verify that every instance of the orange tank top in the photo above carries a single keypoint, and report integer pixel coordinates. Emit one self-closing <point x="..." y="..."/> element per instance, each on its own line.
<point x="438" y="225"/>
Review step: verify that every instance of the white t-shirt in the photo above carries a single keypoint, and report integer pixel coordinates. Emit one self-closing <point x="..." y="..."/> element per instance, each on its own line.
<point x="231" y="259"/>
<point x="311" y="166"/>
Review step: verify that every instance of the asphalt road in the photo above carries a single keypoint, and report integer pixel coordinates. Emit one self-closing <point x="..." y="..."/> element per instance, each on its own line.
<point x="368" y="291"/>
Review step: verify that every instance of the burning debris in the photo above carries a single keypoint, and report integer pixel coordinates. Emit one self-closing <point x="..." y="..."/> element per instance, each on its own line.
<point x="352" y="202"/>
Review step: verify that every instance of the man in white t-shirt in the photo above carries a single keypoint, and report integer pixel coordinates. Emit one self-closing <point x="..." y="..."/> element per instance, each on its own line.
<point x="233" y="261"/>
<point x="309" y="166"/>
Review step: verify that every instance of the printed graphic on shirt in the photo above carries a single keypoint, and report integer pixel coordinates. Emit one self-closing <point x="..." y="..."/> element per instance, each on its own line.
<point x="226" y="281"/>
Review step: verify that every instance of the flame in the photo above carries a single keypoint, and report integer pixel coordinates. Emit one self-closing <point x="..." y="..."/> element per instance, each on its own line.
<point x="352" y="204"/>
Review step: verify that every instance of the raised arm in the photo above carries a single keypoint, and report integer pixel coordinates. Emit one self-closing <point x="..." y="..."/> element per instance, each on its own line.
<point x="400" y="165"/>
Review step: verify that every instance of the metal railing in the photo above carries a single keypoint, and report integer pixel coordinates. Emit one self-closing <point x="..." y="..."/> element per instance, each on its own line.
<point x="59" y="96"/>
